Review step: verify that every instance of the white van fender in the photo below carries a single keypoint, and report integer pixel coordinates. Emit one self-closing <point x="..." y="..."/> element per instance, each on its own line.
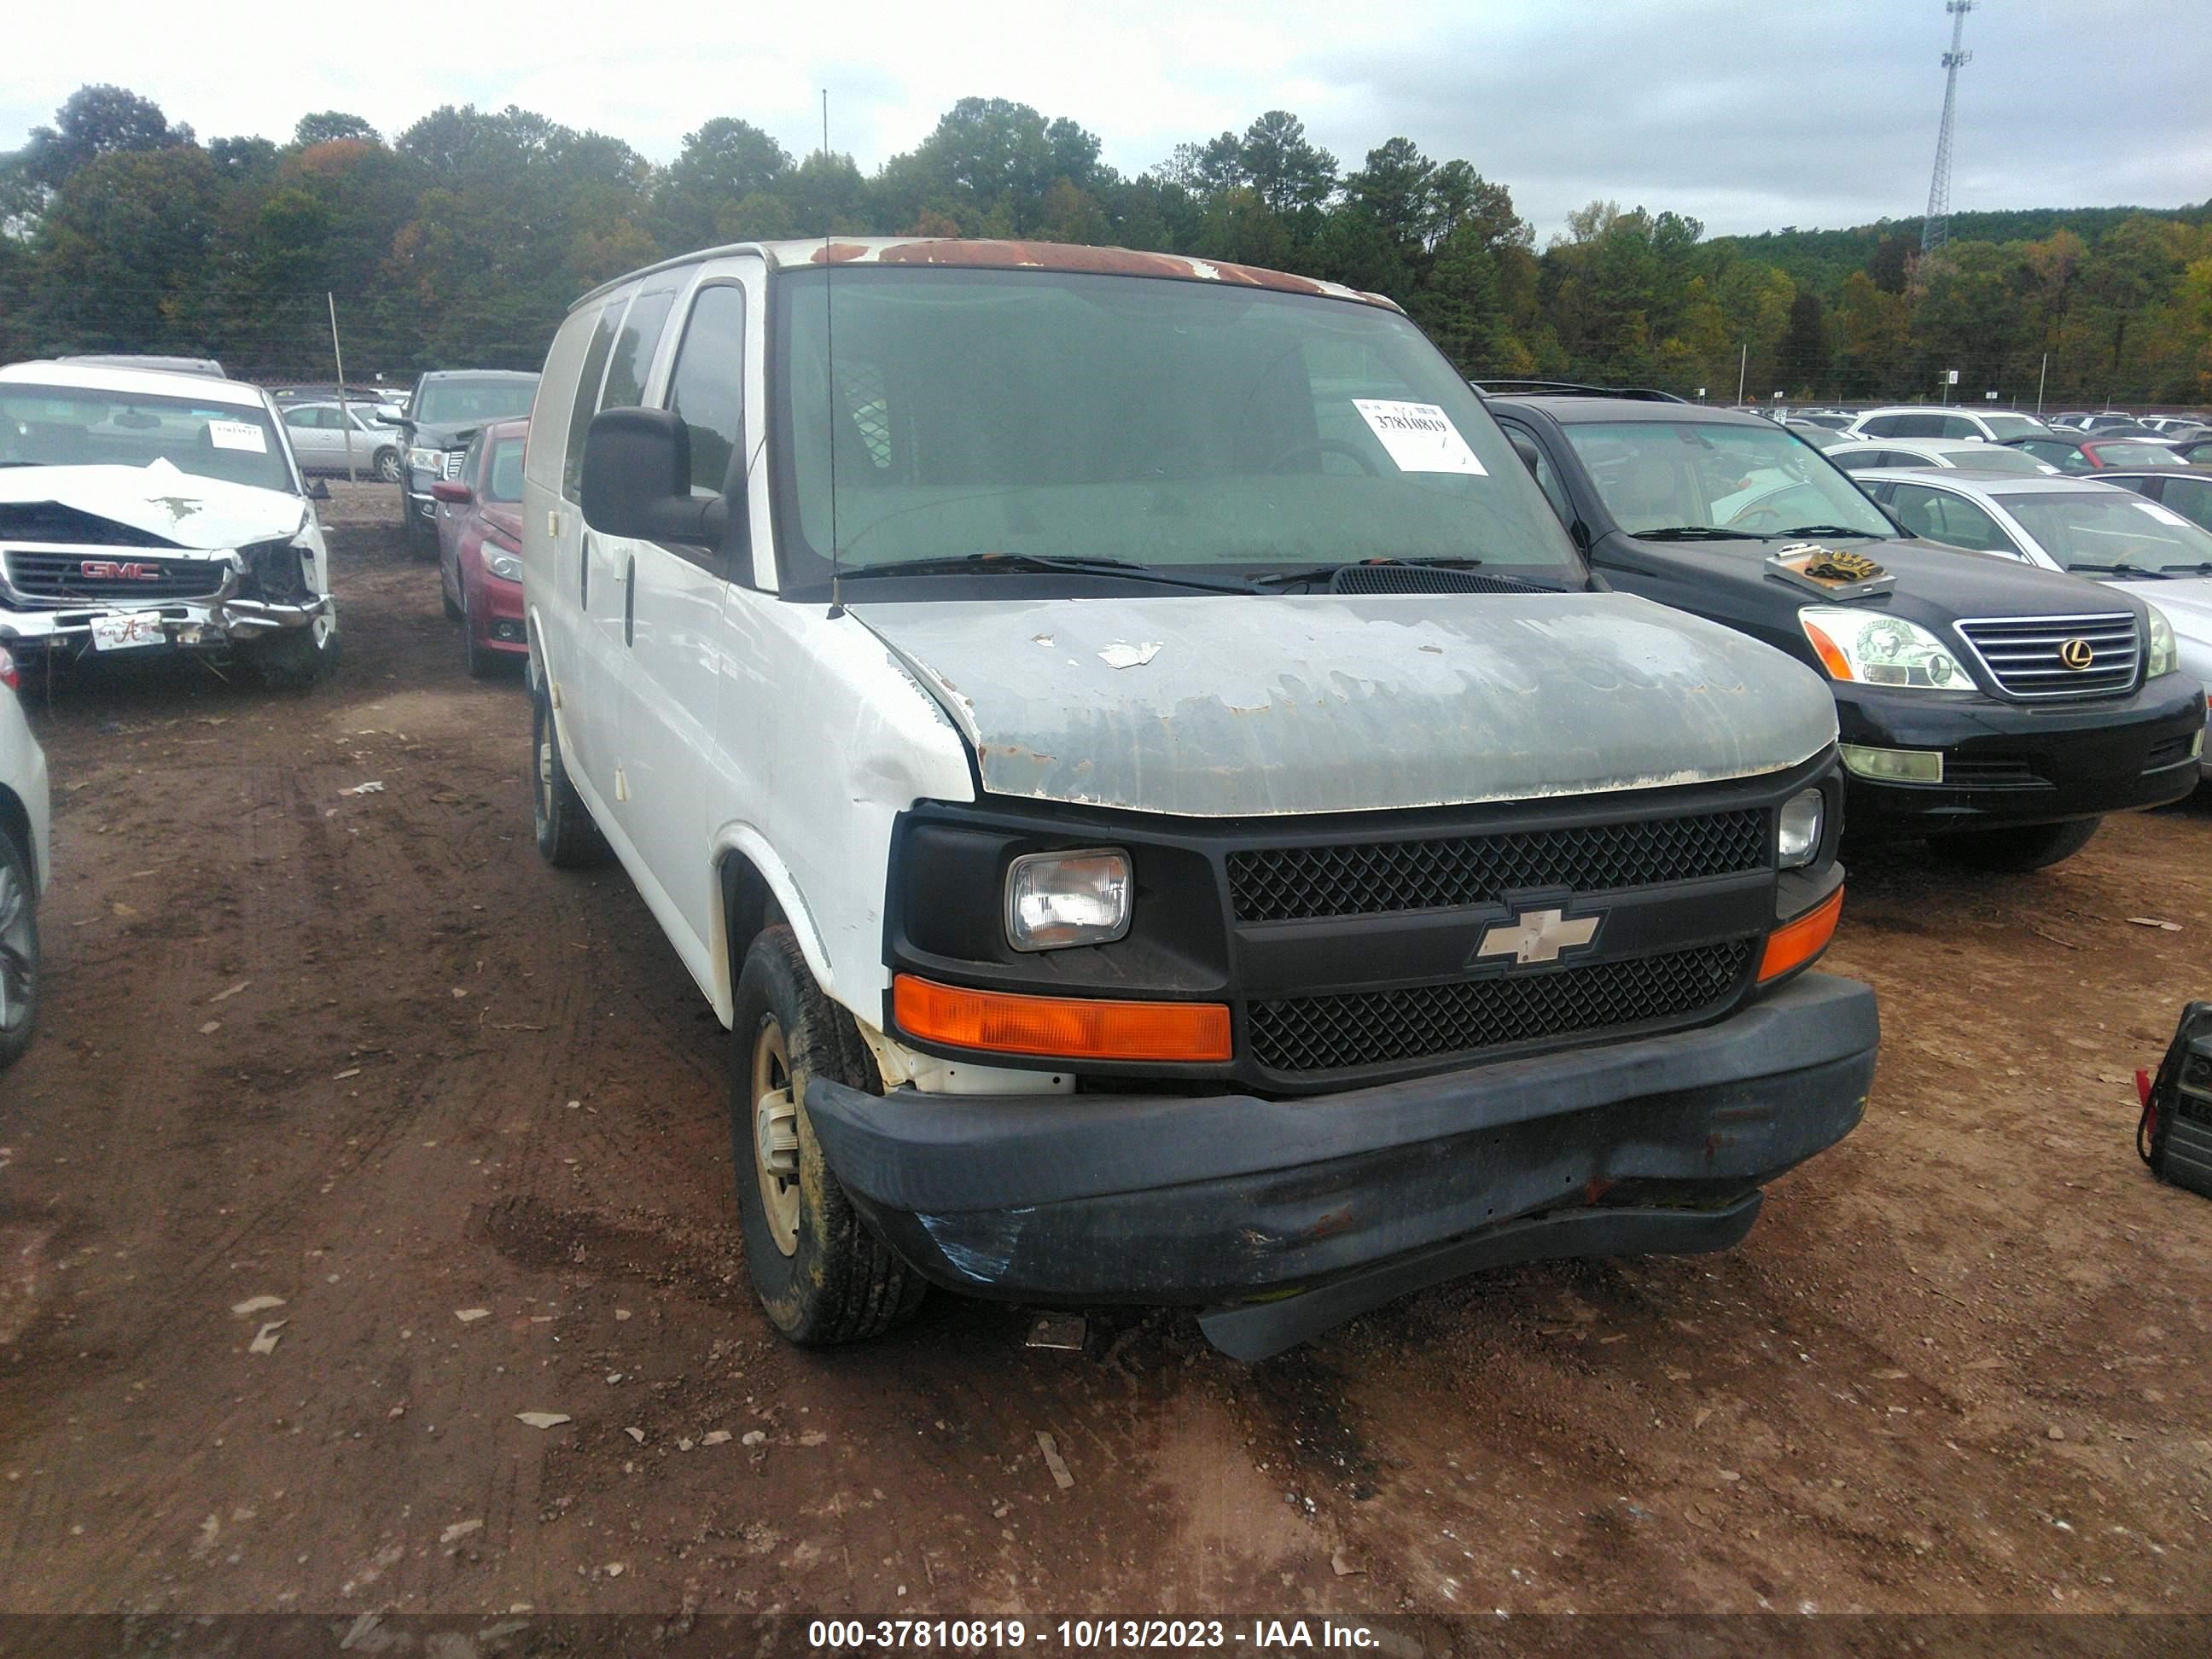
<point x="744" y="840"/>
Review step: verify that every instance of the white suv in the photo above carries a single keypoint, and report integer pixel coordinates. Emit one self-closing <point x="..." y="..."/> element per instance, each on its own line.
<point x="1995" y="426"/>
<point x="146" y="511"/>
<point x="1133" y="757"/>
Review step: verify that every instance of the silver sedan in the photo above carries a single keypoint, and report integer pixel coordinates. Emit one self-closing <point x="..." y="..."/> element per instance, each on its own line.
<point x="318" y="438"/>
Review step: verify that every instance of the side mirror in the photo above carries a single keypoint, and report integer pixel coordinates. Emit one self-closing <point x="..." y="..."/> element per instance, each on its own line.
<point x="453" y="490"/>
<point x="318" y="491"/>
<point x="637" y="481"/>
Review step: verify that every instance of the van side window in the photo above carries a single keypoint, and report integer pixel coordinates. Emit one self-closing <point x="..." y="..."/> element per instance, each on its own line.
<point x="588" y="398"/>
<point x="707" y="389"/>
<point x="634" y="348"/>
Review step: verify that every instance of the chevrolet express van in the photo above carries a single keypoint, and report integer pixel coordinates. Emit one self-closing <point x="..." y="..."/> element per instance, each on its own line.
<point x="1161" y="805"/>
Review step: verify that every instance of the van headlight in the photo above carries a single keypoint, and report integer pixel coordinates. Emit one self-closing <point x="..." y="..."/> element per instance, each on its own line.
<point x="2165" y="655"/>
<point x="1872" y="647"/>
<point x="1797" y="828"/>
<point x="1055" y="900"/>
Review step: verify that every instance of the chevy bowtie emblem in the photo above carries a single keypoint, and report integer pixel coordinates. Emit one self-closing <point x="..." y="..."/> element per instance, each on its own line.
<point x="1536" y="936"/>
<point x="2077" y="655"/>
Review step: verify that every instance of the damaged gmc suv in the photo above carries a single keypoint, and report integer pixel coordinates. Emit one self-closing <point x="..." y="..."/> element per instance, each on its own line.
<point x="1156" y="795"/>
<point x="148" y="510"/>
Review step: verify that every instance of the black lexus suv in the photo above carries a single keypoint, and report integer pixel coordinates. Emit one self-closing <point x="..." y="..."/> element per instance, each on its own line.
<point x="1997" y="710"/>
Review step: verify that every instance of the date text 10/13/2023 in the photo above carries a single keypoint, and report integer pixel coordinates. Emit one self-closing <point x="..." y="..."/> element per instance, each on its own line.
<point x="1085" y="1635"/>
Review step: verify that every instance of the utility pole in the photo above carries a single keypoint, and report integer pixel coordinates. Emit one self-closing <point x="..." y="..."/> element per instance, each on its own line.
<point x="1935" y="228"/>
<point x="1742" y="367"/>
<point x="2041" y="374"/>
<point x="345" y="415"/>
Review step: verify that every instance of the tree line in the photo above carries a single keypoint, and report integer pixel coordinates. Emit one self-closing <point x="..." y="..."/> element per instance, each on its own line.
<point x="461" y="241"/>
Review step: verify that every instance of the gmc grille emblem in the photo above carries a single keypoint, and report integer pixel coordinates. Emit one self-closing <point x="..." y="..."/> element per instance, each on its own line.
<point x="1536" y="936"/>
<point x="107" y="570"/>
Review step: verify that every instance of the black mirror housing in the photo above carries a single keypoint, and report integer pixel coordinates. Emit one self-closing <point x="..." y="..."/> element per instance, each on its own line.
<point x="637" y="481"/>
<point x="318" y="491"/>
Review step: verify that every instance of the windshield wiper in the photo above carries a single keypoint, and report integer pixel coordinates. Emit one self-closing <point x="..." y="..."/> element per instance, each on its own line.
<point x="1826" y="530"/>
<point x="2185" y="569"/>
<point x="2149" y="571"/>
<point x="1695" y="533"/>
<point x="992" y="564"/>
<point x="1322" y="573"/>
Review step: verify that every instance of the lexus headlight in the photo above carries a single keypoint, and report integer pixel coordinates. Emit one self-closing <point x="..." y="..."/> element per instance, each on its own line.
<point x="1871" y="647"/>
<point x="427" y="460"/>
<point x="1054" y="900"/>
<point x="503" y="564"/>
<point x="2165" y="655"/>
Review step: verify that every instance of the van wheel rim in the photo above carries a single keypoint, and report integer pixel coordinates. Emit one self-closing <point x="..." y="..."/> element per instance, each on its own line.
<point x="16" y="958"/>
<point x="775" y="1136"/>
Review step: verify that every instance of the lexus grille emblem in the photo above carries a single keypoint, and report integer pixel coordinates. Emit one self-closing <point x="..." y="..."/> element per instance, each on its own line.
<point x="1536" y="936"/>
<point x="2077" y="655"/>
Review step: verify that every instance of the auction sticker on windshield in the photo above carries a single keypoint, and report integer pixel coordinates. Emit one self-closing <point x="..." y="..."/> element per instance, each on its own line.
<point x="123" y="630"/>
<point x="238" y="435"/>
<point x="1419" y="437"/>
<point x="2161" y="513"/>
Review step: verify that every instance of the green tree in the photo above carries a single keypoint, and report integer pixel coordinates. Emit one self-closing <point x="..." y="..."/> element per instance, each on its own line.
<point x="96" y="121"/>
<point x="724" y="162"/>
<point x="1284" y="169"/>
<point x="327" y="126"/>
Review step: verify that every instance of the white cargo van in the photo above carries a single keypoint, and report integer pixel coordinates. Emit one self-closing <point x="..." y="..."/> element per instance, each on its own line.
<point x="1161" y="805"/>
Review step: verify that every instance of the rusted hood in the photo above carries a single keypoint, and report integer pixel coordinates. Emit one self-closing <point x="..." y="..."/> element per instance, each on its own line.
<point x="1218" y="707"/>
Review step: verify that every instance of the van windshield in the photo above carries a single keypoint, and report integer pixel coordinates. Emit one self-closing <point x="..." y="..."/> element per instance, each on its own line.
<point x="1182" y="425"/>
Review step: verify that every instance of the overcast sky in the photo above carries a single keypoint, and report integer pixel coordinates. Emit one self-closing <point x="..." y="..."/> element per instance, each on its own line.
<point x="1748" y="115"/>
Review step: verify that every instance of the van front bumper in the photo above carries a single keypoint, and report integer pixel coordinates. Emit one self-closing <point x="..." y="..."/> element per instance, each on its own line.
<point x="1282" y="1218"/>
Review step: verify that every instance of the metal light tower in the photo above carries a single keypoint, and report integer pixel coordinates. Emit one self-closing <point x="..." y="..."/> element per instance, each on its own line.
<point x="1935" y="228"/>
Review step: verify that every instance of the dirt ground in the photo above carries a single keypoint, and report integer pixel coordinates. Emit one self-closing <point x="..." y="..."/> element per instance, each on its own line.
<point x="363" y="1053"/>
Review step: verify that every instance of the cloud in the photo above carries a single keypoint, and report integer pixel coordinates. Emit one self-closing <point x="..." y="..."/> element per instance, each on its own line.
<point x="1744" y="113"/>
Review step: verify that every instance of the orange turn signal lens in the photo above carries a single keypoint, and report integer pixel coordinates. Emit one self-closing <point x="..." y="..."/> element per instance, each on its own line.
<point x="1830" y="653"/>
<point x="1059" y="1028"/>
<point x="1796" y="943"/>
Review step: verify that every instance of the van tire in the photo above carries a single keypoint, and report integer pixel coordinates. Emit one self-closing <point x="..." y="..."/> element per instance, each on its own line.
<point x="2017" y="850"/>
<point x="830" y="1279"/>
<point x="567" y="839"/>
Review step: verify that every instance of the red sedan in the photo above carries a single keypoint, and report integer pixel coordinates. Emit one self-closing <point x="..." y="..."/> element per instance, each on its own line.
<point x="480" y="546"/>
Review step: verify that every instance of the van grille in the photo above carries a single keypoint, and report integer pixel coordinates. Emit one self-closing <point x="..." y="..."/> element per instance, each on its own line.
<point x="1358" y="878"/>
<point x="2023" y="653"/>
<point x="1428" y="1021"/>
<point x="61" y="577"/>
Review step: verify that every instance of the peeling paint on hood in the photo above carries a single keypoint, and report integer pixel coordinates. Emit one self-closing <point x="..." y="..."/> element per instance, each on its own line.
<point x="1330" y="703"/>
<point x="160" y="498"/>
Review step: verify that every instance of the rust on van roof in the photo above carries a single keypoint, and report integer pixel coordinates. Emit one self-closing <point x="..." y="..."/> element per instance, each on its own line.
<point x="989" y="253"/>
<point x="986" y="253"/>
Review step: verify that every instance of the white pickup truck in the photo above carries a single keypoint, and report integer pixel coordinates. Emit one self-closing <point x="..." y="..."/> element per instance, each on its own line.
<point x="1161" y="806"/>
<point x="142" y="510"/>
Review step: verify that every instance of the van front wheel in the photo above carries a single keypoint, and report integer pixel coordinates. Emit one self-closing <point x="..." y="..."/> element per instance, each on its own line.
<point x="567" y="837"/>
<point x="822" y="1275"/>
